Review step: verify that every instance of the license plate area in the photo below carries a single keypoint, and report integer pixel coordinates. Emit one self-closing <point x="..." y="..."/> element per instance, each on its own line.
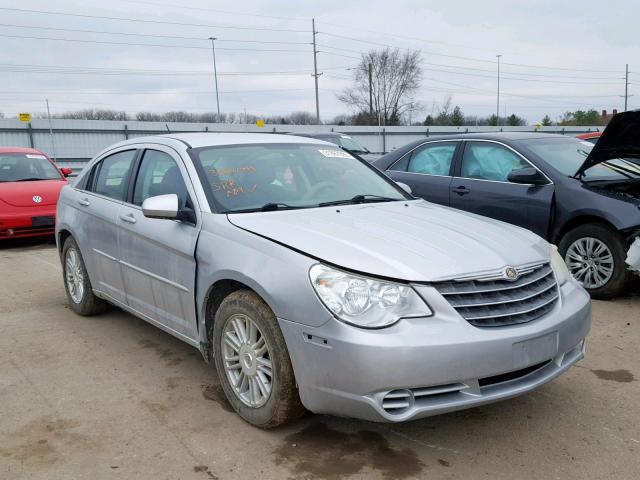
<point x="47" y="221"/>
<point x="535" y="350"/>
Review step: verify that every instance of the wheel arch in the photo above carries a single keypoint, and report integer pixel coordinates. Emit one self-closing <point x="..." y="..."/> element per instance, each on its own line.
<point x="578" y="221"/>
<point x="216" y="293"/>
<point x="62" y="236"/>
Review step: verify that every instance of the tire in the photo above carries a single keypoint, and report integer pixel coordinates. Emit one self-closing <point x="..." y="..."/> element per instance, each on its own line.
<point x="282" y="403"/>
<point x="618" y="281"/>
<point x="81" y="300"/>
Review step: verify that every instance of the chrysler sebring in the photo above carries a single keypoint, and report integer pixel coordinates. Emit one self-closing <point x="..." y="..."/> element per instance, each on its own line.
<point x="313" y="281"/>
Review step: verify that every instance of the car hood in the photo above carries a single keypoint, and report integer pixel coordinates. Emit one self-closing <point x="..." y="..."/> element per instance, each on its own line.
<point x="411" y="241"/>
<point x="620" y="139"/>
<point x="21" y="194"/>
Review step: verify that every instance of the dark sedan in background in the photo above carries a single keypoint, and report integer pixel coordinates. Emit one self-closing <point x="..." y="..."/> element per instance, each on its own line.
<point x="582" y="197"/>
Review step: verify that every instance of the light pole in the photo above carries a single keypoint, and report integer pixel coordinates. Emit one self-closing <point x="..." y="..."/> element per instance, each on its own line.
<point x="53" y="142"/>
<point x="498" y="97"/>
<point x="626" y="86"/>
<point x="370" y="69"/>
<point x="315" y="73"/>
<point x="215" y="73"/>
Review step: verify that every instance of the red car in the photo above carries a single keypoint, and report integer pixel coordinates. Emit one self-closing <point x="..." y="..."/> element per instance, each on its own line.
<point x="591" y="137"/>
<point x="30" y="183"/>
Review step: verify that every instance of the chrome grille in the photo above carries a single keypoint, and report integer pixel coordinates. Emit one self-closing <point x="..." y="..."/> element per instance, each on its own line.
<point x="491" y="302"/>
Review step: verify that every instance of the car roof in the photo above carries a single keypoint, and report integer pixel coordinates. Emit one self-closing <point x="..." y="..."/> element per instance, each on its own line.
<point x="20" y="150"/>
<point x="505" y="137"/>
<point x="214" y="139"/>
<point x="319" y="134"/>
<point x="588" y="135"/>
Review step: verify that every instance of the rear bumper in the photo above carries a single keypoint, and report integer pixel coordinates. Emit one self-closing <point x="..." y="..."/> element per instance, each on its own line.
<point x="423" y="367"/>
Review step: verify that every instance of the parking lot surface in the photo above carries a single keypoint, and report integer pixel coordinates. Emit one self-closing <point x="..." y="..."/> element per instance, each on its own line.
<point x="114" y="397"/>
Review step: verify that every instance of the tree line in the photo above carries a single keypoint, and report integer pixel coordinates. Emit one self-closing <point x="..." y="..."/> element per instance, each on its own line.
<point x="442" y="115"/>
<point x="179" y="116"/>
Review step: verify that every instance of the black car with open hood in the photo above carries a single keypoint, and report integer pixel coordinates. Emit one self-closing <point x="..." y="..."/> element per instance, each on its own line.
<point x="581" y="197"/>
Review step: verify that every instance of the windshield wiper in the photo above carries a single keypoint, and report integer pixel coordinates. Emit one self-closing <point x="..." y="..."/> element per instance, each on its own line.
<point x="30" y="179"/>
<point x="269" y="207"/>
<point x="366" y="198"/>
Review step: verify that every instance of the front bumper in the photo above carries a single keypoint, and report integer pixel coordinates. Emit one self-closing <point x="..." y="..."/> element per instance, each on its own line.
<point x="427" y="366"/>
<point x="20" y="225"/>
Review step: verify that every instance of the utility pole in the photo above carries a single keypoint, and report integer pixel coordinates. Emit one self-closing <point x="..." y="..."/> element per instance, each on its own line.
<point x="370" y="91"/>
<point x="498" y="97"/>
<point x="215" y="73"/>
<point x="53" y="142"/>
<point x="315" y="74"/>
<point x="626" y="86"/>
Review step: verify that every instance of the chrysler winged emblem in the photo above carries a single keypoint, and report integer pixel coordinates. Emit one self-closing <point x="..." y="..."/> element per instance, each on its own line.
<point x="510" y="273"/>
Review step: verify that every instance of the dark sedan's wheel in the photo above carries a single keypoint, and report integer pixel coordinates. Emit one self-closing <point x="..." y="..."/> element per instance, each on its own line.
<point x="76" y="281"/>
<point x="253" y="362"/>
<point x="595" y="255"/>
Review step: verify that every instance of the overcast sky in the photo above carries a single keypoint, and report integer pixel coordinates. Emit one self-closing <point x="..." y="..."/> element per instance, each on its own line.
<point x="556" y="56"/>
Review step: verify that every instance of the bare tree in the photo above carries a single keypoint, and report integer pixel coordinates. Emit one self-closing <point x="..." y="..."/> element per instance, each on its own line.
<point x="94" y="114"/>
<point x="395" y="79"/>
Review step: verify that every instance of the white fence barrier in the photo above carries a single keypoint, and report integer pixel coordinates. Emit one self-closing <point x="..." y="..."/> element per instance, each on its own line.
<point x="76" y="141"/>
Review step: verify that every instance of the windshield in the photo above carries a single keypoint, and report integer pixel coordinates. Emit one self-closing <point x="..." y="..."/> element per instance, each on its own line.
<point x="567" y="155"/>
<point x="271" y="176"/>
<point x="16" y="167"/>
<point x="350" y="144"/>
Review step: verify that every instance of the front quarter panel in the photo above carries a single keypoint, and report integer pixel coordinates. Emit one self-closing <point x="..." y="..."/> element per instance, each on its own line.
<point x="276" y="273"/>
<point x="574" y="200"/>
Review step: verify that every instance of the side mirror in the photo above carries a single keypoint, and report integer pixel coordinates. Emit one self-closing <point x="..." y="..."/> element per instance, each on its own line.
<point x="528" y="176"/>
<point x="161" y="206"/>
<point x="405" y="187"/>
<point x="66" y="171"/>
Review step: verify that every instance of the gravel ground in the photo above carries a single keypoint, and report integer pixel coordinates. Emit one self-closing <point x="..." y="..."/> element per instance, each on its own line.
<point x="113" y="397"/>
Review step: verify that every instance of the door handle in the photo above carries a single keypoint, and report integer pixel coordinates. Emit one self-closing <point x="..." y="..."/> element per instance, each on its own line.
<point x="128" y="218"/>
<point x="84" y="202"/>
<point x="461" y="190"/>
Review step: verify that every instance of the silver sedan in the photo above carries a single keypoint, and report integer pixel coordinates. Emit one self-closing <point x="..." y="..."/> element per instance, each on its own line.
<point x="315" y="282"/>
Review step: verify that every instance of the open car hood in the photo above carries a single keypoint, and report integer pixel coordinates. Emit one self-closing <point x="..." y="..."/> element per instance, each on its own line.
<point x="620" y="139"/>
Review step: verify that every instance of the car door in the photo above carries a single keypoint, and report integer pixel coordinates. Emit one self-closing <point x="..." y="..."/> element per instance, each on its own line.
<point x="427" y="170"/>
<point x="481" y="186"/>
<point x="158" y="255"/>
<point x="99" y="205"/>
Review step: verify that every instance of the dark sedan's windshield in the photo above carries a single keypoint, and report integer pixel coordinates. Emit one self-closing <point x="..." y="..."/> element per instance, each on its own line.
<point x="17" y="167"/>
<point x="273" y="176"/>
<point x="567" y="155"/>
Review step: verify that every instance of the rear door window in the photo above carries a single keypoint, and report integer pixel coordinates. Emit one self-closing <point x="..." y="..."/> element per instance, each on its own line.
<point x="113" y="175"/>
<point x="432" y="159"/>
<point x="489" y="161"/>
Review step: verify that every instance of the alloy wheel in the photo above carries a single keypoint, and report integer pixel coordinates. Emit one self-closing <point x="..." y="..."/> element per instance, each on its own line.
<point x="590" y="261"/>
<point x="74" y="275"/>
<point x="247" y="362"/>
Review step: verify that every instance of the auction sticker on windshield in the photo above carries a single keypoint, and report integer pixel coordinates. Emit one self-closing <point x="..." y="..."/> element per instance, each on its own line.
<point x="335" y="154"/>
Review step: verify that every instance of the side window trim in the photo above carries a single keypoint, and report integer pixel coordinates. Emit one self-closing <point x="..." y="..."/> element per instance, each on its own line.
<point x="135" y="170"/>
<point x="87" y="184"/>
<point x="457" y="173"/>
<point x="410" y="153"/>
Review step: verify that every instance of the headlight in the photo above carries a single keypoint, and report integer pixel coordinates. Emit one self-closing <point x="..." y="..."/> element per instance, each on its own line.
<point x="558" y="265"/>
<point x="363" y="301"/>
